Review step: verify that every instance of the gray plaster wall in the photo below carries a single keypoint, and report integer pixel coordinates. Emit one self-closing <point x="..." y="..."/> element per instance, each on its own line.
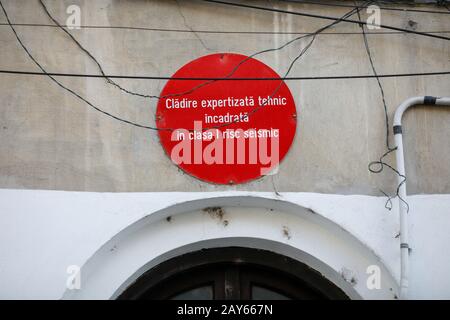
<point x="51" y="140"/>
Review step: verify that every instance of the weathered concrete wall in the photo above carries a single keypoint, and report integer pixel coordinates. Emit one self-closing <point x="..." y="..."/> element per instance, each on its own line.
<point x="51" y="140"/>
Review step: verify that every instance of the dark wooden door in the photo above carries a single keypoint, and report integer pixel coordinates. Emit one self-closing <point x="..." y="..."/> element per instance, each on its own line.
<point x="232" y="274"/>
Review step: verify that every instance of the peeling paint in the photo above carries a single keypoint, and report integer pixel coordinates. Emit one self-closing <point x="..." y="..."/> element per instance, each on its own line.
<point x="286" y="232"/>
<point x="412" y="24"/>
<point x="215" y="212"/>
<point x="348" y="275"/>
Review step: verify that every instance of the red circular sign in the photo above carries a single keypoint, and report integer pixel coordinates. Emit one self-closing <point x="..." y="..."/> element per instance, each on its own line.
<point x="226" y="131"/>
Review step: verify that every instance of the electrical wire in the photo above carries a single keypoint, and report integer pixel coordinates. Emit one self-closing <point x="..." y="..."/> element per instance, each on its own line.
<point x="212" y="31"/>
<point x="323" y="17"/>
<point x="381" y="163"/>
<point x="66" y="88"/>
<point x="411" y="3"/>
<point x="93" y="58"/>
<point x="336" y="77"/>
<point x="194" y="88"/>
<point x="171" y="95"/>
<point x="302" y="52"/>
<point x="213" y="79"/>
<point x="202" y="84"/>
<point x="363" y="7"/>
<point x="118" y="118"/>
<point x="446" y="6"/>
<point x="205" y="83"/>
<point x="366" y="45"/>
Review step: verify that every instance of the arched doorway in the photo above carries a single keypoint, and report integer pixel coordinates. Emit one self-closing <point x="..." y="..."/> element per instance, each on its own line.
<point x="279" y="226"/>
<point x="232" y="273"/>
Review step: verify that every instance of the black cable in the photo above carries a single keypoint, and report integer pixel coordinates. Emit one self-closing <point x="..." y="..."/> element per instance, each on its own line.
<point x="363" y="7"/>
<point x="93" y="58"/>
<point x="170" y="129"/>
<point x="381" y="163"/>
<point x="210" y="31"/>
<point x="303" y="51"/>
<point x="144" y="126"/>
<point x="198" y="86"/>
<point x="339" y="77"/>
<point x="85" y="100"/>
<point x="212" y="79"/>
<point x="366" y="45"/>
<point x="169" y="95"/>
<point x="323" y="17"/>
<point x="411" y="3"/>
<point x="66" y="88"/>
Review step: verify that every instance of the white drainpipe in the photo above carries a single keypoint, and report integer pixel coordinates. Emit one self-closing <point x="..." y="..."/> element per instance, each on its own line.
<point x="403" y="208"/>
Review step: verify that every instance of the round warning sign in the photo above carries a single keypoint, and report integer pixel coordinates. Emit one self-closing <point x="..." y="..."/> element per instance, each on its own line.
<point x="231" y="130"/>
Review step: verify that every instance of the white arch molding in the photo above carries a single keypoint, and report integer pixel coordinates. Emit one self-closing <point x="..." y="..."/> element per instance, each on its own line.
<point x="245" y="221"/>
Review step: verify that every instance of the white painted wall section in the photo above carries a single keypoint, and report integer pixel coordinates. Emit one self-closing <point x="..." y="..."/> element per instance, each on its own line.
<point x="43" y="232"/>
